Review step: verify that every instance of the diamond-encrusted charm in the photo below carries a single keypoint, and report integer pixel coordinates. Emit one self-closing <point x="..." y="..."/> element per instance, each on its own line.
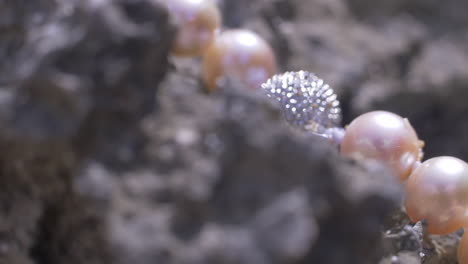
<point x="306" y="101"/>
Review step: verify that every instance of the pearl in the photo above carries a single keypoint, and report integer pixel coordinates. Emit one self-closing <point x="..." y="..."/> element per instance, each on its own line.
<point x="199" y="21"/>
<point x="437" y="191"/>
<point x="462" y="252"/>
<point x="239" y="54"/>
<point x="385" y="137"/>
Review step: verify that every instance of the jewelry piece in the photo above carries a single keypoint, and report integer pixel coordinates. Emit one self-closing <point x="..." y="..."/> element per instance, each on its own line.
<point x="199" y="21"/>
<point x="240" y="54"/>
<point x="307" y="103"/>
<point x="310" y="104"/>
<point x="437" y="191"/>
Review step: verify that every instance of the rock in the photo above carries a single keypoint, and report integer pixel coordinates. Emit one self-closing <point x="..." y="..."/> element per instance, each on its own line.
<point x="114" y="153"/>
<point x="286" y="229"/>
<point x="67" y="67"/>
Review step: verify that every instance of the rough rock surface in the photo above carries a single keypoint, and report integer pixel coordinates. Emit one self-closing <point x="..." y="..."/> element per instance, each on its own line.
<point x="114" y="153"/>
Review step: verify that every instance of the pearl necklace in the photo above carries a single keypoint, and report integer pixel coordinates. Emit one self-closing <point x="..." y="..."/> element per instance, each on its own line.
<point x="436" y="189"/>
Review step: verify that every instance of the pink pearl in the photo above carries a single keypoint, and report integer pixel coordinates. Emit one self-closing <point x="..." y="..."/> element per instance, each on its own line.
<point x="462" y="252"/>
<point x="385" y="137"/>
<point x="239" y="54"/>
<point x="198" y="21"/>
<point x="437" y="191"/>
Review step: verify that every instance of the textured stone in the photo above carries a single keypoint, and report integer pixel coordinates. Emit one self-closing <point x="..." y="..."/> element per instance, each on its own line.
<point x="102" y="162"/>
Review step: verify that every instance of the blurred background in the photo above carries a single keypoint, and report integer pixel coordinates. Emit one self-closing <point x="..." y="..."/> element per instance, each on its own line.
<point x="113" y="151"/>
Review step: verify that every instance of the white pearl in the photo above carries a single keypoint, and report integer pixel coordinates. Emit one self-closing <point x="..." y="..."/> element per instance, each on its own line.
<point x="385" y="137"/>
<point x="437" y="191"/>
<point x="198" y="21"/>
<point x="239" y="54"/>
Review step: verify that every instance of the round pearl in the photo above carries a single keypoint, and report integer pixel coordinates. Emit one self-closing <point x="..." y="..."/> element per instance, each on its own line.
<point x="385" y="137"/>
<point x="462" y="252"/>
<point x="239" y="54"/>
<point x="198" y="21"/>
<point x="437" y="191"/>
